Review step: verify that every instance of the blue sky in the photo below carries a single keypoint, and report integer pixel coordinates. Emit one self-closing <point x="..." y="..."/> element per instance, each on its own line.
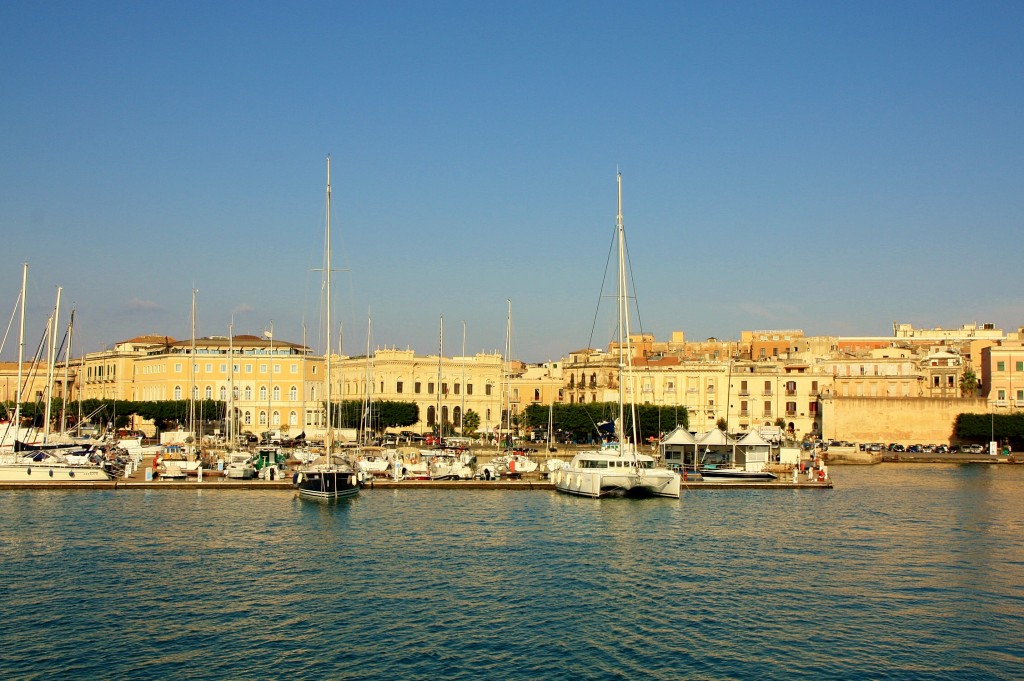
<point x="832" y="167"/>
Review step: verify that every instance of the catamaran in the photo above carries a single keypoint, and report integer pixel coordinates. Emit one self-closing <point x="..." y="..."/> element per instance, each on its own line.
<point x="618" y="468"/>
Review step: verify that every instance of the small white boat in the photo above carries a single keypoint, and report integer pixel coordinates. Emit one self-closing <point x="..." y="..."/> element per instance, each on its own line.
<point x="240" y="467"/>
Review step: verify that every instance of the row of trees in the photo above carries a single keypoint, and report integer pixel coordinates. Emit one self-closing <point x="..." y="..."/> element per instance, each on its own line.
<point x="166" y="414"/>
<point x="589" y="422"/>
<point x="984" y="427"/>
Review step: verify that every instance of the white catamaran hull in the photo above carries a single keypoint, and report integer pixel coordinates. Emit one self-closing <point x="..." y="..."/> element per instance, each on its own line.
<point x="598" y="483"/>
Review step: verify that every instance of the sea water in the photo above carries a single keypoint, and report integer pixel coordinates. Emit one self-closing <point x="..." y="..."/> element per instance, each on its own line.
<point x="899" y="572"/>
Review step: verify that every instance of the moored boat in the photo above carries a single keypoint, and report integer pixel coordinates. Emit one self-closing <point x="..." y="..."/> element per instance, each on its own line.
<point x="618" y="468"/>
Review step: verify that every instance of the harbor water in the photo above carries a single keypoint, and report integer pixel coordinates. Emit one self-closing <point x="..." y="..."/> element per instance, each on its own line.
<point x="899" y="572"/>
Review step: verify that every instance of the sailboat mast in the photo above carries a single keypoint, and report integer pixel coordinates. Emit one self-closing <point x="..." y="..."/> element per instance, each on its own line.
<point x="440" y="355"/>
<point x="21" y="348"/>
<point x="329" y="440"/>
<point x="65" y="392"/>
<point x="230" y="426"/>
<point x="192" y="377"/>
<point x="366" y="422"/>
<point x="49" y="366"/>
<point x="506" y="377"/>
<point x="625" y="349"/>
<point x="462" y="411"/>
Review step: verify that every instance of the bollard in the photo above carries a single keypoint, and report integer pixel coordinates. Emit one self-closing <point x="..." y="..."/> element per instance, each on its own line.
<point x="199" y="474"/>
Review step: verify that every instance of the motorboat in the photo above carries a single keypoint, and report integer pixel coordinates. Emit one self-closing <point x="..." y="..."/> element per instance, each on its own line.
<point x="240" y="466"/>
<point x="734" y="473"/>
<point x="450" y="464"/>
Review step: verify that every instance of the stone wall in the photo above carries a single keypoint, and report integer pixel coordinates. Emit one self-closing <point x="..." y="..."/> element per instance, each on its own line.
<point x="907" y="420"/>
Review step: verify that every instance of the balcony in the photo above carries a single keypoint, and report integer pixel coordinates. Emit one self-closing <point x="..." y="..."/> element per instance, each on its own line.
<point x="766" y="393"/>
<point x="790" y="392"/>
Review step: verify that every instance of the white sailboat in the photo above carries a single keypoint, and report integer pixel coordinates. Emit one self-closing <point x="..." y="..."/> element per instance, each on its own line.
<point x="332" y="479"/>
<point x="37" y="465"/>
<point x="618" y="468"/>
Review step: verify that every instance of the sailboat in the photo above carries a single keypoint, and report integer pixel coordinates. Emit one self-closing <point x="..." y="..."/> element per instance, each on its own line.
<point x="617" y="468"/>
<point x="35" y="464"/>
<point x="331" y="479"/>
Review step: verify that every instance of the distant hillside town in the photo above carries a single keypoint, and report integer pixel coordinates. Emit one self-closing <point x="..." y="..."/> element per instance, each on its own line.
<point x="909" y="386"/>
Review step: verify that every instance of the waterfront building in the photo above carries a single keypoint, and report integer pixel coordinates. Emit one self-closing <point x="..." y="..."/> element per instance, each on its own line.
<point x="1002" y="374"/>
<point x="274" y="384"/>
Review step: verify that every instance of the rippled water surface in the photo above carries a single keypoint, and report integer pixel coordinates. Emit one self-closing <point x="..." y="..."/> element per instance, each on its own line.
<point x="899" y="572"/>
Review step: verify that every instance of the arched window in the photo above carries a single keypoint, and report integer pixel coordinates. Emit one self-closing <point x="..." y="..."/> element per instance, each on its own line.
<point x="248" y="418"/>
<point x="263" y="393"/>
<point x="223" y="393"/>
<point x="248" y="393"/>
<point x="293" y="419"/>
<point x="209" y="392"/>
<point x="457" y="416"/>
<point x="276" y="419"/>
<point x="431" y="417"/>
<point x="263" y="418"/>
<point x="277" y="393"/>
<point x="177" y="392"/>
<point x="293" y="393"/>
<point x="195" y="392"/>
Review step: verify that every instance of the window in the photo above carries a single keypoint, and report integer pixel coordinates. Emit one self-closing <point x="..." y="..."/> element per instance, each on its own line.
<point x="209" y="392"/>
<point x="1000" y="366"/>
<point x="469" y="388"/>
<point x="294" y="369"/>
<point x="293" y="393"/>
<point x="430" y="388"/>
<point x="487" y="389"/>
<point x="223" y="368"/>
<point x="177" y="392"/>
<point x="398" y="387"/>
<point x="277" y="393"/>
<point x="248" y="418"/>
<point x="263" y="368"/>
<point x="248" y="368"/>
<point x="417" y="387"/>
<point x="223" y="393"/>
<point x="209" y="368"/>
<point x="276" y="419"/>
<point x="263" y="393"/>
<point x="457" y="388"/>
<point x="293" y="419"/>
<point x="263" y="418"/>
<point x="248" y="392"/>
<point x="1020" y="366"/>
<point x="177" y="367"/>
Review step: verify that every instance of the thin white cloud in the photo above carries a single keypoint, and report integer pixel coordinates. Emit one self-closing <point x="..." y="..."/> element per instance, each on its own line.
<point x="138" y="305"/>
<point x="242" y="308"/>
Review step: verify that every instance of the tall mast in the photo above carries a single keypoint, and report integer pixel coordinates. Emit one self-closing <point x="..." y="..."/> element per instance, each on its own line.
<point x="21" y="348"/>
<point x="192" y="377"/>
<point x="230" y="425"/>
<point x="625" y="349"/>
<point x="506" y="377"/>
<point x="329" y="440"/>
<point x="440" y="356"/>
<point x="366" y="420"/>
<point x="462" y="411"/>
<point x="66" y="392"/>
<point x="49" y="366"/>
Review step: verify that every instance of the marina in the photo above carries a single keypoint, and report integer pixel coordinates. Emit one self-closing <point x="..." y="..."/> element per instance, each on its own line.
<point x="429" y="582"/>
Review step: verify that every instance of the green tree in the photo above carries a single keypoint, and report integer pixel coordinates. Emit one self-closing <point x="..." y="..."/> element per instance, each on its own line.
<point x="969" y="384"/>
<point x="470" y="422"/>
